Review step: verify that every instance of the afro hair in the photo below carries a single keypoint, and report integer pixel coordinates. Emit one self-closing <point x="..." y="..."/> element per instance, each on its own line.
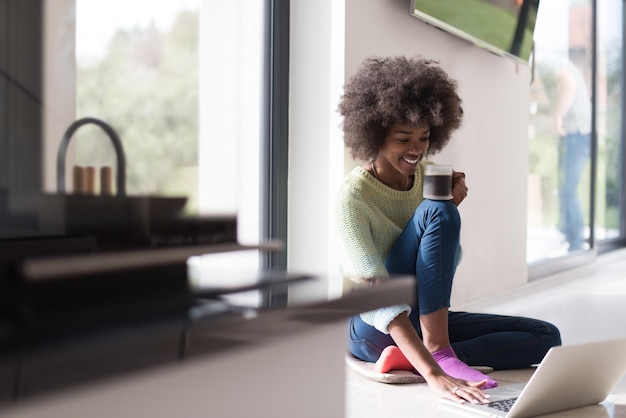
<point x="386" y="91"/>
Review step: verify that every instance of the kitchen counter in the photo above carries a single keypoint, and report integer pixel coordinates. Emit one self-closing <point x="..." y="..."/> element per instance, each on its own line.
<point x="209" y="359"/>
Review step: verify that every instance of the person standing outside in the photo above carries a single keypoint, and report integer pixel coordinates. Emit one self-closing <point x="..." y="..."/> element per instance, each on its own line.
<point x="570" y="103"/>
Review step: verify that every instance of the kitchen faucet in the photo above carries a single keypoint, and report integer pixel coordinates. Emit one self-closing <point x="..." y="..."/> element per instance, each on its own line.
<point x="115" y="139"/>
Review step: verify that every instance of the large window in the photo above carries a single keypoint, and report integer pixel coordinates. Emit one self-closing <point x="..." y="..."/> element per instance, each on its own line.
<point x="560" y="145"/>
<point x="576" y="176"/>
<point x="139" y="70"/>
<point x="183" y="84"/>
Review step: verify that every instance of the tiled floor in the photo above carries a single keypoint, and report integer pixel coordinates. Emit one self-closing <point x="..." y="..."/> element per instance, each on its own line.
<point x="587" y="304"/>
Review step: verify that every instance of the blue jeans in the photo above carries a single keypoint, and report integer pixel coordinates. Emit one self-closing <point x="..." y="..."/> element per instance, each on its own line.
<point x="574" y="153"/>
<point x="429" y="249"/>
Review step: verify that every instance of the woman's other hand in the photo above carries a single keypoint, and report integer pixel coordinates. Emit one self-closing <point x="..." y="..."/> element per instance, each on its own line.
<point x="459" y="189"/>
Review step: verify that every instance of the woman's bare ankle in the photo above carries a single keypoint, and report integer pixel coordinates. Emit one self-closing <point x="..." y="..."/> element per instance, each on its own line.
<point x="434" y="346"/>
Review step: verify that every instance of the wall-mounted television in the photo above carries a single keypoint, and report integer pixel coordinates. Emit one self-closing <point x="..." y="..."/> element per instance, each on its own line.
<point x="501" y="26"/>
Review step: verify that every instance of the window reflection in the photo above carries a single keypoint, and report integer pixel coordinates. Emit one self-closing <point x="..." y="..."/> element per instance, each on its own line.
<point x="560" y="132"/>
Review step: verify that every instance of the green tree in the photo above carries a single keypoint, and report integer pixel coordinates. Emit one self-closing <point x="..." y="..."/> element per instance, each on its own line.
<point x="146" y="87"/>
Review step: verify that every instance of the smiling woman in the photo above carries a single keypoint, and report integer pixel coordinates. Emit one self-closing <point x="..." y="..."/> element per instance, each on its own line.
<point x="398" y="110"/>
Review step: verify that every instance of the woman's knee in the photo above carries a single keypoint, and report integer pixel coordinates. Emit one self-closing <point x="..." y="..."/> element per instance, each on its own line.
<point x="547" y="335"/>
<point x="438" y="210"/>
<point x="553" y="334"/>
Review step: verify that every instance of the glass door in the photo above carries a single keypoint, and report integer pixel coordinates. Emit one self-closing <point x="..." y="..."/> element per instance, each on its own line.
<point x="560" y="132"/>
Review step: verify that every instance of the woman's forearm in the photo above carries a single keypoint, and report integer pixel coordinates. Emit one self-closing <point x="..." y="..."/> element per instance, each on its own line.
<point x="408" y="341"/>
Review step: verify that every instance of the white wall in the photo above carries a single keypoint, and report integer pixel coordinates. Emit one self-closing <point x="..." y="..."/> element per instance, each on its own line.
<point x="315" y="147"/>
<point x="491" y="147"/>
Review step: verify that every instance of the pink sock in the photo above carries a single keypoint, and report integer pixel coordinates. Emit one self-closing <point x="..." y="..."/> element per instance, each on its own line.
<point x="456" y="368"/>
<point x="392" y="358"/>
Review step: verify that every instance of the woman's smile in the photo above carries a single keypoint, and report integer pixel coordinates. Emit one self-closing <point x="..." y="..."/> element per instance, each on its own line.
<point x="411" y="161"/>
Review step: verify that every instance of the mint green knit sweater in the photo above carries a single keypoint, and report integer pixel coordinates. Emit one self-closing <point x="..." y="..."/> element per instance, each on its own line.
<point x="369" y="218"/>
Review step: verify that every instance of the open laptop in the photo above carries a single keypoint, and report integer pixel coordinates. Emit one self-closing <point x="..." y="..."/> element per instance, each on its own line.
<point x="568" y="377"/>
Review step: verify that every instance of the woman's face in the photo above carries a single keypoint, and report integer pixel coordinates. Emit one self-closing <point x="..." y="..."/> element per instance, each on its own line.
<point x="404" y="147"/>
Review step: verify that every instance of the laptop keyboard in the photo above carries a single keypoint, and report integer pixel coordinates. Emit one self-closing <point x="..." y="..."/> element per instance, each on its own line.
<point x="503" y="405"/>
